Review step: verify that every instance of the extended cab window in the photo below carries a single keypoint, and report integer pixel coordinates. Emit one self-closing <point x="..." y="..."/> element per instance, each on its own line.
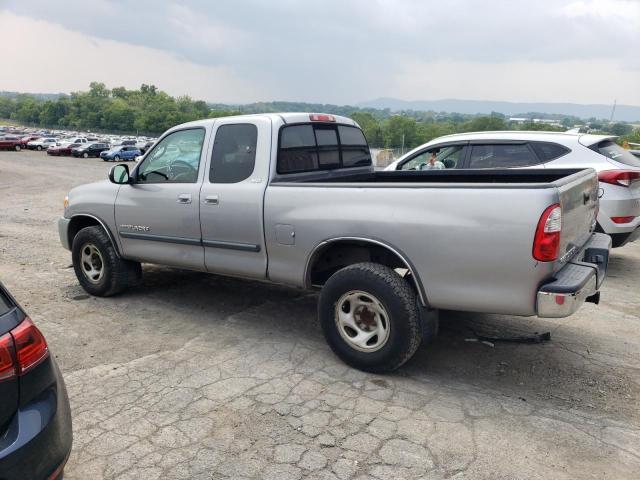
<point x="501" y="156"/>
<point x="234" y="153"/>
<point x="175" y="159"/>
<point x="309" y="147"/>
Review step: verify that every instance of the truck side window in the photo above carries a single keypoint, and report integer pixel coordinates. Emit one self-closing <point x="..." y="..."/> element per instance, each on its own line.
<point x="175" y="159"/>
<point x="234" y="153"/>
<point x="501" y="156"/>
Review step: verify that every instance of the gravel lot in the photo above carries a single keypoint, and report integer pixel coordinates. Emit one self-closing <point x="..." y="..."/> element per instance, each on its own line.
<point x="196" y="377"/>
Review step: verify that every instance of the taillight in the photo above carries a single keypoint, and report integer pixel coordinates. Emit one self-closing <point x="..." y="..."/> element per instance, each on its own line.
<point x="623" y="219"/>
<point x="7" y="358"/>
<point x="22" y="349"/>
<point x="321" y="117"/>
<point x="547" y="240"/>
<point x="623" y="178"/>
<point x="31" y="347"/>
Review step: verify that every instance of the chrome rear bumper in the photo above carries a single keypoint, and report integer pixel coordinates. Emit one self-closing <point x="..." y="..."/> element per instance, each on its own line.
<point x="578" y="281"/>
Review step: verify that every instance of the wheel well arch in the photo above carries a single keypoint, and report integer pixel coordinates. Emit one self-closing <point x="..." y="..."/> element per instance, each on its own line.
<point x="78" y="222"/>
<point x="331" y="255"/>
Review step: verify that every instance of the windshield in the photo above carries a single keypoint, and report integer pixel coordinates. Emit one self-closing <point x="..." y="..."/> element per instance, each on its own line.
<point x="615" y="152"/>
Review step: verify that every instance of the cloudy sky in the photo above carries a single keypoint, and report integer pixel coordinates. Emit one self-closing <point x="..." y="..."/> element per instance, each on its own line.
<point x="329" y="51"/>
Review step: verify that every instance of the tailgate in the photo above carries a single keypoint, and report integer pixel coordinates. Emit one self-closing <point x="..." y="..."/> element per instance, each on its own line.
<point x="578" y="197"/>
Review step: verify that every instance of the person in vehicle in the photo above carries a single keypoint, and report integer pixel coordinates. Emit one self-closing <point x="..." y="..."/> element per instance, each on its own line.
<point x="434" y="163"/>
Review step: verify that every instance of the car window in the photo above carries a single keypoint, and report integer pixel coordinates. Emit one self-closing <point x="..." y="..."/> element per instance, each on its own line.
<point x="501" y="156"/>
<point x="450" y="157"/>
<point x="615" y="152"/>
<point x="328" y="151"/>
<point x="547" y="151"/>
<point x="175" y="159"/>
<point x="234" y="153"/>
<point x="5" y="304"/>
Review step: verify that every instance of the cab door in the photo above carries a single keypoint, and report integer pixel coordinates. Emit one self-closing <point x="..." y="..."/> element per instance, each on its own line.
<point x="231" y="198"/>
<point x="157" y="215"/>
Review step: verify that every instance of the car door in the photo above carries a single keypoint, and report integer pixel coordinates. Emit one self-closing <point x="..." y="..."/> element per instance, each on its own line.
<point x="232" y="195"/>
<point x="501" y="154"/>
<point x="157" y="215"/>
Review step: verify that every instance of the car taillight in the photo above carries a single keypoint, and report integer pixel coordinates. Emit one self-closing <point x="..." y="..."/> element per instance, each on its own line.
<point x="31" y="347"/>
<point x="7" y="358"/>
<point x="623" y="178"/>
<point x="623" y="219"/>
<point x="546" y="242"/>
<point x="22" y="349"/>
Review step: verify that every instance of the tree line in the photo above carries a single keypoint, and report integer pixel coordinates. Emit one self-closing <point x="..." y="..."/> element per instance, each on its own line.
<point x="151" y="111"/>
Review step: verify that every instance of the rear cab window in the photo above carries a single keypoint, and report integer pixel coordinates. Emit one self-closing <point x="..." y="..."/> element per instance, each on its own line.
<point x="615" y="152"/>
<point x="314" y="147"/>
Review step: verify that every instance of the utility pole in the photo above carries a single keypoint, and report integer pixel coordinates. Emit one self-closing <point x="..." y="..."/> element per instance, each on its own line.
<point x="613" y="110"/>
<point x="402" y="149"/>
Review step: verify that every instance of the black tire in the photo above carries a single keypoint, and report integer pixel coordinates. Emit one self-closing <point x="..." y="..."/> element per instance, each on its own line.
<point x="116" y="158"/>
<point x="85" y="155"/>
<point x="39" y="148"/>
<point x="398" y="299"/>
<point x="118" y="274"/>
<point x="18" y="148"/>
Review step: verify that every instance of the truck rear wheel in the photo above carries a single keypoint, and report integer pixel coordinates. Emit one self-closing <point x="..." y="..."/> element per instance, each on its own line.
<point x="99" y="269"/>
<point x="369" y="317"/>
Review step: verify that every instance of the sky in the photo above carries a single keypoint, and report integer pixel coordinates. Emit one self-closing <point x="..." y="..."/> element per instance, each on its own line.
<point x="329" y="51"/>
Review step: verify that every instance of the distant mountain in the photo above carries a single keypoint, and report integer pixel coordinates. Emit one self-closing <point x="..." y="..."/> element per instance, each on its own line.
<point x="38" y="96"/>
<point x="626" y="113"/>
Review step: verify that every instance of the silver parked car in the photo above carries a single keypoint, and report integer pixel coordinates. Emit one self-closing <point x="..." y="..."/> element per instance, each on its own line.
<point x="618" y="170"/>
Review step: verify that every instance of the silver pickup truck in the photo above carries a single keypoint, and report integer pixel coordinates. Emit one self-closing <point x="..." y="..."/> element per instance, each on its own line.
<point x="293" y="198"/>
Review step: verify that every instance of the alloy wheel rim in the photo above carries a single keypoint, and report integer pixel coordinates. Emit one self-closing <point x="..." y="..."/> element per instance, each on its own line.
<point x="92" y="263"/>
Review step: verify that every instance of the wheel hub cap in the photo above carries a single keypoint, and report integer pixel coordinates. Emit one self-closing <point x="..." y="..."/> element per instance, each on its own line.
<point x="362" y="321"/>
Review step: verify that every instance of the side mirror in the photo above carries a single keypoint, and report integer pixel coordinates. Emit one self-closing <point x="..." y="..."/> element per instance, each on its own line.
<point x="119" y="174"/>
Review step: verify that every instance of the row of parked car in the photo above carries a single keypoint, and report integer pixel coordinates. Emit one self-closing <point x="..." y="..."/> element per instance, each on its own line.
<point x="109" y="149"/>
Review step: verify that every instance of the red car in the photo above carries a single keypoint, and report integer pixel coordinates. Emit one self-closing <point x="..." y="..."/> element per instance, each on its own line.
<point x="61" y="150"/>
<point x="10" y="143"/>
<point x="25" y="140"/>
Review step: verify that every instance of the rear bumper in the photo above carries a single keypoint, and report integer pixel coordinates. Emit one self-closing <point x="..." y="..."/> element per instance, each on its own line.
<point x="38" y="440"/>
<point x="577" y="282"/>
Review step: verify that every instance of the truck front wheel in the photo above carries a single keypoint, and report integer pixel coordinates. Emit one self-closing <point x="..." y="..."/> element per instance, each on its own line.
<point x="99" y="269"/>
<point x="369" y="317"/>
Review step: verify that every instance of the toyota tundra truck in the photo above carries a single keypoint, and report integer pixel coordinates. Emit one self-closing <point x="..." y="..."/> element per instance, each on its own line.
<point x="294" y="199"/>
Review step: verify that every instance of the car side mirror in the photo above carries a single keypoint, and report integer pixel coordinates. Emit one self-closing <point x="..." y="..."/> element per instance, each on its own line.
<point x="119" y="174"/>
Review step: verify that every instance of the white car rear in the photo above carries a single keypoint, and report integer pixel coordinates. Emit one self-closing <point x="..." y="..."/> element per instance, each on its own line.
<point x="618" y="170"/>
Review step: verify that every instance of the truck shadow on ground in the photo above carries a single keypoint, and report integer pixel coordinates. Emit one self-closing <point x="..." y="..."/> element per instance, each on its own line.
<point x="563" y="370"/>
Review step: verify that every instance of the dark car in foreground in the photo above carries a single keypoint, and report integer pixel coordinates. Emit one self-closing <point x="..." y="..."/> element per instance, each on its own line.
<point x="35" y="418"/>
<point x="90" y="150"/>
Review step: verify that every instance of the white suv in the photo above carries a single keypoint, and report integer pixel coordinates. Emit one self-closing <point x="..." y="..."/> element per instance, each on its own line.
<point x="618" y="170"/>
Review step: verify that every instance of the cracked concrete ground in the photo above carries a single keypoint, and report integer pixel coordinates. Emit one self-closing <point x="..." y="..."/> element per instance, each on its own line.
<point x="195" y="376"/>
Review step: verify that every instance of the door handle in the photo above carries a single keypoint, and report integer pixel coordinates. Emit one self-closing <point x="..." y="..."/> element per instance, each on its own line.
<point x="211" y="200"/>
<point x="184" y="198"/>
